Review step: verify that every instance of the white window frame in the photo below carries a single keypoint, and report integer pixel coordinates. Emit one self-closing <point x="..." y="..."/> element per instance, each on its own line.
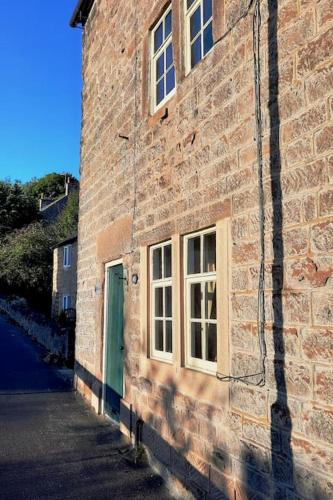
<point x="67" y="256"/>
<point x="191" y="362"/>
<point x="160" y="283"/>
<point x="66" y="302"/>
<point x="188" y="13"/>
<point x="153" y="59"/>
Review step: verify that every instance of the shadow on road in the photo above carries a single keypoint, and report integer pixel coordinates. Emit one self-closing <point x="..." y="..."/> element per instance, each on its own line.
<point x="22" y="369"/>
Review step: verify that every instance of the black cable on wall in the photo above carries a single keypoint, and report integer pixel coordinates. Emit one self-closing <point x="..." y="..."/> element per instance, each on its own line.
<point x="256" y="26"/>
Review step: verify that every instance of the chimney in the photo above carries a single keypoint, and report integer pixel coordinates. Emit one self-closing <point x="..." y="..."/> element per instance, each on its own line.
<point x="44" y="202"/>
<point x="67" y="182"/>
<point x="70" y="185"/>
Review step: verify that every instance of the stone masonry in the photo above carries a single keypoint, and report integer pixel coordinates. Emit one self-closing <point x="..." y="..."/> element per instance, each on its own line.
<point x="148" y="177"/>
<point x="64" y="278"/>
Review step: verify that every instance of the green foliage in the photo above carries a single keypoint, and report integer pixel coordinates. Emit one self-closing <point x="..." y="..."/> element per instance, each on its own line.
<point x="17" y="207"/>
<point x="26" y="244"/>
<point x="68" y="219"/>
<point x="51" y="186"/>
<point x="26" y="258"/>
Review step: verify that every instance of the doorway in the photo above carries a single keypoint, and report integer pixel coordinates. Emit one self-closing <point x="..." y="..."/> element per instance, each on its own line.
<point x="113" y="340"/>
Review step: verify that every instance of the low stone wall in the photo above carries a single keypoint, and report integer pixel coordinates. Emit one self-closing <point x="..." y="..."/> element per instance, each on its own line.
<point x="44" y="333"/>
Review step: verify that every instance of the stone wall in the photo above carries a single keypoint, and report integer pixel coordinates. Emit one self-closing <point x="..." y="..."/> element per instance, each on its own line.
<point x="40" y="330"/>
<point x="184" y="170"/>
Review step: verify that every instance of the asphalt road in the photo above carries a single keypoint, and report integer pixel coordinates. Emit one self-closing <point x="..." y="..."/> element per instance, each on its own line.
<point x="52" y="446"/>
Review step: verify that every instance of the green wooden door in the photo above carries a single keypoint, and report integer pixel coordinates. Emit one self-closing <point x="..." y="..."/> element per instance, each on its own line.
<point x="114" y="365"/>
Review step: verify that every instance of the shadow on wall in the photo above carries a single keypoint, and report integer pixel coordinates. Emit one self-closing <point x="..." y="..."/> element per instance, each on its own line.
<point x="164" y="419"/>
<point x="280" y="473"/>
<point x="170" y="431"/>
<point x="281" y="425"/>
<point x="269" y="474"/>
<point x="277" y="477"/>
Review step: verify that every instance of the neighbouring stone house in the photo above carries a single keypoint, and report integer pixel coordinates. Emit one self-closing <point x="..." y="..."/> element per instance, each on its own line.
<point x="64" y="277"/>
<point x="173" y="245"/>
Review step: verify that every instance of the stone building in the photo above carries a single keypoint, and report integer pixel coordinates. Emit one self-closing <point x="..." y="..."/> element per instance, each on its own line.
<point x="206" y="238"/>
<point x="64" y="276"/>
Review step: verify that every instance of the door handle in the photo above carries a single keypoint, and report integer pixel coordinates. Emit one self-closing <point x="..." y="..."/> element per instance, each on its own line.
<point x="122" y="348"/>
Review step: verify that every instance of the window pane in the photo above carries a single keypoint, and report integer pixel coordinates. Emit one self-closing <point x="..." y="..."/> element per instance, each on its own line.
<point x="193" y="258"/>
<point x="207" y="9"/>
<point x="170" y="80"/>
<point x="160" y="91"/>
<point x="211" y="343"/>
<point x="209" y="253"/>
<point x="159" y="335"/>
<point x="168" y="24"/>
<point x="196" y="342"/>
<point x="195" y="23"/>
<point x="196" y="52"/>
<point x="159" y="67"/>
<point x="210" y="300"/>
<point x="167" y="261"/>
<point x="158" y="37"/>
<point x="157" y="264"/>
<point x="168" y="301"/>
<point x="168" y="336"/>
<point x="196" y="300"/>
<point x="208" y="38"/>
<point x="159" y="302"/>
<point x="169" y="56"/>
<point x="189" y="3"/>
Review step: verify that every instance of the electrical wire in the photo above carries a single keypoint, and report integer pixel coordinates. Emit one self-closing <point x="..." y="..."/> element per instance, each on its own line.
<point x="258" y="119"/>
<point x="135" y="145"/>
<point x="261" y="199"/>
<point x="234" y="24"/>
<point x="261" y="194"/>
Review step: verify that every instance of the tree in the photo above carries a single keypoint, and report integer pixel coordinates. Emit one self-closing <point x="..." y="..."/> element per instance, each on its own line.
<point x="26" y="253"/>
<point x="26" y="260"/>
<point x="67" y="221"/>
<point x="51" y="186"/>
<point x="17" y="207"/>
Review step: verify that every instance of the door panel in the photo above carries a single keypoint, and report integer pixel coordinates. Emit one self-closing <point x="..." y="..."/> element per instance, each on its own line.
<point x="114" y="365"/>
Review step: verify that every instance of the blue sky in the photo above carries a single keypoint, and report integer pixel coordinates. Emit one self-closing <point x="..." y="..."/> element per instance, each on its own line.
<point x="40" y="89"/>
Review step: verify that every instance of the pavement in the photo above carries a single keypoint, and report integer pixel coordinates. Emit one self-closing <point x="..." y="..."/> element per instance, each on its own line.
<point x="52" y="445"/>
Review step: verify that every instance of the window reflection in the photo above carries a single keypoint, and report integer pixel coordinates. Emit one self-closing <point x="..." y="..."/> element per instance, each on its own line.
<point x="196" y="300"/>
<point x="168" y="336"/>
<point x="159" y="302"/>
<point x="168" y="301"/>
<point x="196" y="341"/>
<point x="211" y="348"/>
<point x="194" y="245"/>
<point x="210" y="253"/>
<point x="210" y="300"/>
<point x="159" y="335"/>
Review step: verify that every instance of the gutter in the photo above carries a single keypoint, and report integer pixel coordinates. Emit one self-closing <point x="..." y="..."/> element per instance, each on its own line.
<point x="81" y="13"/>
<point x="72" y="239"/>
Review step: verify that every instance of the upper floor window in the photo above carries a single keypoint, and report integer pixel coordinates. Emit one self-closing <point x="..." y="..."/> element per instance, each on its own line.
<point x="161" y="301"/>
<point x="162" y="64"/>
<point x="67" y="256"/>
<point x="200" y="300"/>
<point x="199" y="30"/>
